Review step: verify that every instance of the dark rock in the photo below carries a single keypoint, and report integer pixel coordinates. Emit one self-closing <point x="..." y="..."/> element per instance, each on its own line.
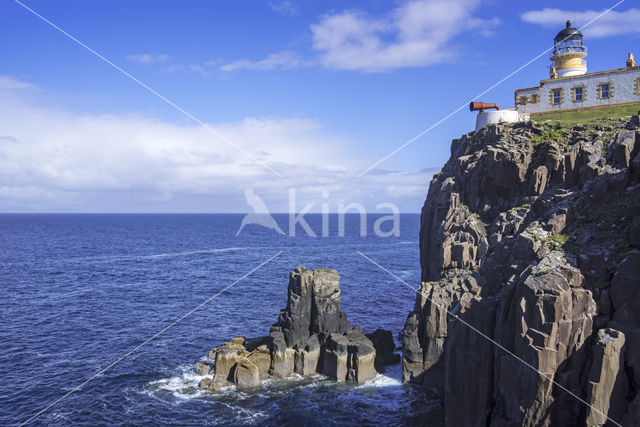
<point x="307" y="357"/>
<point x="335" y="356"/>
<point x="282" y="357"/>
<point x="361" y="357"/>
<point x="625" y="292"/>
<point x="633" y="123"/>
<point x="607" y="387"/>
<point x="382" y="341"/>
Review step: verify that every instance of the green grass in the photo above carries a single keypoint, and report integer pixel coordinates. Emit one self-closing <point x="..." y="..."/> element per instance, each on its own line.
<point x="551" y="133"/>
<point x="589" y="116"/>
<point x="557" y="241"/>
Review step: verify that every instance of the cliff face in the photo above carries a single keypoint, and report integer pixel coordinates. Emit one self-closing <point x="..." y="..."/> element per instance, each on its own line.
<point x="528" y="310"/>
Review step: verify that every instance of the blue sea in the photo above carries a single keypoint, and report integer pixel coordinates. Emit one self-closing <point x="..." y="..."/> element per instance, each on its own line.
<point x="80" y="292"/>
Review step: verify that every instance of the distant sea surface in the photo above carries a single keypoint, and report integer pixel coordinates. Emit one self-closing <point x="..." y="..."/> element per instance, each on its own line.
<point x="79" y="292"/>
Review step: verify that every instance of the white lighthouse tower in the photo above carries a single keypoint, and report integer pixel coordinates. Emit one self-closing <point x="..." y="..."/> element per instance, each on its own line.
<point x="568" y="53"/>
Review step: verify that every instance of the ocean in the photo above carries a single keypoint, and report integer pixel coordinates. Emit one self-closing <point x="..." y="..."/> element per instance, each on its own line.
<point x="80" y="291"/>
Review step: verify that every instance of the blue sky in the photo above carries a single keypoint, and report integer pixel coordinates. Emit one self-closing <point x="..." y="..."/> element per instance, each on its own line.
<point x="317" y="91"/>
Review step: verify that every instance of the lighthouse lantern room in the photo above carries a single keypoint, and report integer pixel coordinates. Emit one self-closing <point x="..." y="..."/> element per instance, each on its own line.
<point x="568" y="53"/>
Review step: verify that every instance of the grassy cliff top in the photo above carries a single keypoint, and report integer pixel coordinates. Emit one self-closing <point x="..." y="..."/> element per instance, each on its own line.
<point x="595" y="116"/>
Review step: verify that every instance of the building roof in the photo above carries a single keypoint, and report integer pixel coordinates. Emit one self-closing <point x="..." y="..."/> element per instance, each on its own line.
<point x="567" y="34"/>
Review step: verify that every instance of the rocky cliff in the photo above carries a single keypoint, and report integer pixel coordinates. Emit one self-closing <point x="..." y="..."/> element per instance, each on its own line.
<point x="528" y="312"/>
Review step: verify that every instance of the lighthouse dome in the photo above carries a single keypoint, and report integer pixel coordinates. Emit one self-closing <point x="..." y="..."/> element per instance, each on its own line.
<point x="569" y="33"/>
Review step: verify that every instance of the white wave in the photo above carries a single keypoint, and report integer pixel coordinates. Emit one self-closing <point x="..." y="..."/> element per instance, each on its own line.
<point x="116" y="258"/>
<point x="392" y="377"/>
<point x="381" y="380"/>
<point x="185" y="385"/>
<point x="187" y="253"/>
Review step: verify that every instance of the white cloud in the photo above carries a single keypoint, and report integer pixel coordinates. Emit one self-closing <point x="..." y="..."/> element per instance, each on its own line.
<point x="61" y="160"/>
<point x="188" y="68"/>
<point x="281" y="60"/>
<point x="417" y="33"/>
<point x="9" y="83"/>
<point x="148" y="58"/>
<point x="285" y="7"/>
<point x="613" y="23"/>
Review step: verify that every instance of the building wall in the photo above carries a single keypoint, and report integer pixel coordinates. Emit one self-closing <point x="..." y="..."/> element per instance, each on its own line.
<point x="624" y="86"/>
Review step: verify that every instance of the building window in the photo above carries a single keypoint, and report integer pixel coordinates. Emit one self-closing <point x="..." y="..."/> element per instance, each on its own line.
<point x="556" y="96"/>
<point x="534" y="97"/>
<point x="523" y="100"/>
<point x="637" y="86"/>
<point x="579" y="93"/>
<point x="605" y="90"/>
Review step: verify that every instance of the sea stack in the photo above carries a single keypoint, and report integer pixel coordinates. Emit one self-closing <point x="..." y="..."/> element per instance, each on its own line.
<point x="311" y="336"/>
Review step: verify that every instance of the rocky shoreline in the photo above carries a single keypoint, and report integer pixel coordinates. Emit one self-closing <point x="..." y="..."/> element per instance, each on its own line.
<point x="312" y="336"/>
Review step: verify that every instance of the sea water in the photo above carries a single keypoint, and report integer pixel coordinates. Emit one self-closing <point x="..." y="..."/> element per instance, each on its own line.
<point x="80" y="292"/>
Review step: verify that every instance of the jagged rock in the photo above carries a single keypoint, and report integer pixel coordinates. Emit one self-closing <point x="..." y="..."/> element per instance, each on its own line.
<point x="226" y="357"/>
<point x="326" y="316"/>
<point x="469" y="366"/>
<point x="539" y="180"/>
<point x="607" y="387"/>
<point x="282" y="357"/>
<point x="307" y="357"/>
<point x="295" y="320"/>
<point x="625" y="292"/>
<point x="382" y="341"/>
<point x="213" y="385"/>
<point x="245" y="374"/>
<point x="335" y="356"/>
<point x="261" y="357"/>
<point x="633" y="123"/>
<point x="349" y="357"/>
<point x="313" y="306"/>
<point x="545" y="324"/>
<point x="361" y="356"/>
<point x="204" y="383"/>
<point x="623" y="149"/>
<point x="204" y="368"/>
<point x="412" y="354"/>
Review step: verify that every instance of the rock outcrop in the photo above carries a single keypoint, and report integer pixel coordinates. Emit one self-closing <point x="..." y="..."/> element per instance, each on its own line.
<point x="311" y="336"/>
<point x="530" y="255"/>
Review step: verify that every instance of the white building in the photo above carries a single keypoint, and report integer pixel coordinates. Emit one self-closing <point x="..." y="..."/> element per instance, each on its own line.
<point x="570" y="87"/>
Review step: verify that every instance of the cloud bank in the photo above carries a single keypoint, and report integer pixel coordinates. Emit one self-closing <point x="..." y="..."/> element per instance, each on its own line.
<point x="56" y="160"/>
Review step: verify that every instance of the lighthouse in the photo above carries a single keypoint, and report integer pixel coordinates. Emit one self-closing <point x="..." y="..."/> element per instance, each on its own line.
<point x="568" y="53"/>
